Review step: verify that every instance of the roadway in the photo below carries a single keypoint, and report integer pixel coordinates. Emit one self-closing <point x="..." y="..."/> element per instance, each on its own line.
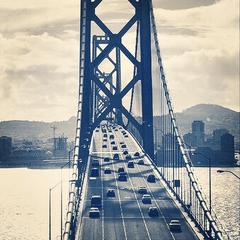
<point x="125" y="216"/>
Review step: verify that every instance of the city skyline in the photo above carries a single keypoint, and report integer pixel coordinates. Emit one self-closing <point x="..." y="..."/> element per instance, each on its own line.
<point x="39" y="63"/>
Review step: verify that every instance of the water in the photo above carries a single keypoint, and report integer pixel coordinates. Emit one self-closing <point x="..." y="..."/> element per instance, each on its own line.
<point x="24" y="201"/>
<point x="225" y="197"/>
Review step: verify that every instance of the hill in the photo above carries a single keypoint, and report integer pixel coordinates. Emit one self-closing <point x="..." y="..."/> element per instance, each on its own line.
<point x="214" y="116"/>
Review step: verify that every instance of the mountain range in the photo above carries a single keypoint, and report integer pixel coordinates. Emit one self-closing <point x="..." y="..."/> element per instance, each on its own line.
<point x="214" y="117"/>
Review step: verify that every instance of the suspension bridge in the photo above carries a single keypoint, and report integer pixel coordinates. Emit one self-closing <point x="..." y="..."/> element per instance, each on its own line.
<point x="132" y="174"/>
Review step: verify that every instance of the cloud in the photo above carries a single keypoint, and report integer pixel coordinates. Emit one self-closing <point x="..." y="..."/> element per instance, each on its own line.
<point x="40" y="53"/>
<point x="203" y="64"/>
<point x="183" y="4"/>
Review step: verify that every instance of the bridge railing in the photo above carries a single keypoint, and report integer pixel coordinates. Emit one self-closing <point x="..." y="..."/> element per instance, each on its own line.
<point x="173" y="160"/>
<point x="78" y="165"/>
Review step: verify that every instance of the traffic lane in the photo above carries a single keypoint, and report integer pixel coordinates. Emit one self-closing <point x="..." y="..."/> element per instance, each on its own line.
<point x="113" y="223"/>
<point x="168" y="207"/>
<point x="157" y="227"/>
<point x="135" y="228"/>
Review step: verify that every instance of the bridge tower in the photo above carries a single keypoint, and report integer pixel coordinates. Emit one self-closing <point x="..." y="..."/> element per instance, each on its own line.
<point x="93" y="107"/>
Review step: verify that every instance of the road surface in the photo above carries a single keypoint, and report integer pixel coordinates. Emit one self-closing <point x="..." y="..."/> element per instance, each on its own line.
<point x="125" y="217"/>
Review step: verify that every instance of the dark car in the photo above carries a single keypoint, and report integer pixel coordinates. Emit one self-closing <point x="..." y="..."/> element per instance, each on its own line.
<point x="125" y="152"/>
<point x="96" y="201"/>
<point x="124" y="146"/>
<point x="95" y="163"/>
<point x="111" y="193"/>
<point x="122" y="177"/>
<point x="130" y="164"/>
<point x="136" y="154"/>
<point x="151" y="178"/>
<point x="106" y="159"/>
<point x="107" y="170"/>
<point x="121" y="169"/>
<point x="142" y="190"/>
<point x="94" y="172"/>
<point x="114" y="148"/>
<point x="153" y="212"/>
<point x="104" y="146"/>
<point x="128" y="157"/>
<point x="104" y="135"/>
<point x="141" y="162"/>
<point x="104" y="139"/>
<point x="111" y="136"/>
<point x="113" y="142"/>
<point x="116" y="156"/>
<point x="94" y="213"/>
<point x="126" y="136"/>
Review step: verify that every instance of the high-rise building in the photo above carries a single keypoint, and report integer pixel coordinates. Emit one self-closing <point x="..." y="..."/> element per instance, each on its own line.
<point x="60" y="147"/>
<point x="197" y="133"/>
<point x="5" y="147"/>
<point x="227" y="149"/>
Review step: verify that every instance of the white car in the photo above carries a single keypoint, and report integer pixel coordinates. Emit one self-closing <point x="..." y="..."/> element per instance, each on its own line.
<point x="94" y="213"/>
<point x="175" y="226"/>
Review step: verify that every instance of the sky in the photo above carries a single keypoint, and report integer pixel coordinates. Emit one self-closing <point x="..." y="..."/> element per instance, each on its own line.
<point x="39" y="41"/>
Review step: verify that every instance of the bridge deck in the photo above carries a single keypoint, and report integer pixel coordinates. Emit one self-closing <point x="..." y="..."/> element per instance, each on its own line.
<point x="125" y="216"/>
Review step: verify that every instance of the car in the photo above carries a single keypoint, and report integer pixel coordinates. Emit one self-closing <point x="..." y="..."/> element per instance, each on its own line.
<point x="114" y="148"/>
<point x="153" y="212"/>
<point x="146" y="199"/>
<point x="107" y="170"/>
<point x="106" y="159"/>
<point x="113" y="142"/>
<point x="126" y="136"/>
<point x="95" y="163"/>
<point x="125" y="152"/>
<point x="111" y="136"/>
<point x="151" y="178"/>
<point x="128" y="157"/>
<point x="115" y="129"/>
<point x="130" y="164"/>
<point x="104" y="139"/>
<point x="105" y="135"/>
<point x="121" y="143"/>
<point x="96" y="201"/>
<point x="116" y="156"/>
<point x="94" y="172"/>
<point x="111" y="193"/>
<point x="142" y="190"/>
<point x="136" y="154"/>
<point x="141" y="162"/>
<point x="124" y="146"/>
<point x="94" y="212"/>
<point x="97" y="130"/>
<point x="121" y="169"/>
<point x="122" y="177"/>
<point x="175" y="225"/>
<point x="104" y="146"/>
